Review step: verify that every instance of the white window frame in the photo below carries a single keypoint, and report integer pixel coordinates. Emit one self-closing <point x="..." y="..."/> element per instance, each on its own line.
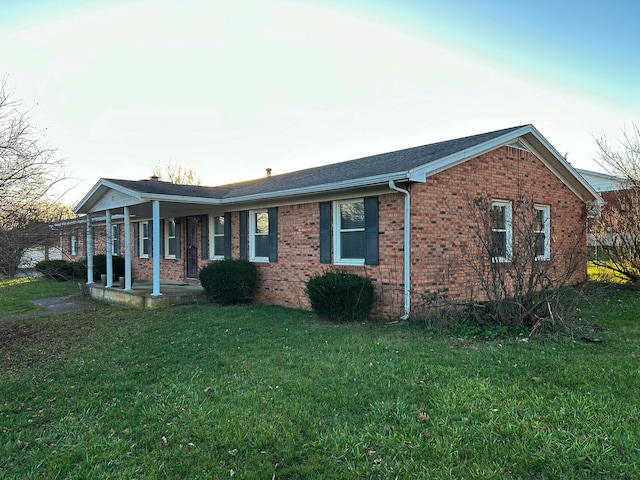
<point x="167" y="237"/>
<point x="252" y="234"/>
<point x="74" y="243"/>
<point x="115" y="240"/>
<point x="213" y="255"/>
<point x="338" y="230"/>
<point x="546" y="230"/>
<point x="142" y="238"/>
<point x="508" y="229"/>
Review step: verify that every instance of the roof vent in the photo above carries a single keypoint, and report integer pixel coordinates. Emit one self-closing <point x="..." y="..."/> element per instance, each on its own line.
<point x="268" y="173"/>
<point x="154" y="178"/>
<point x="520" y="146"/>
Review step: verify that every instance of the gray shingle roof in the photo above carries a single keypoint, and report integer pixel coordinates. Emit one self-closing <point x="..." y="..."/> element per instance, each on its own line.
<point x="377" y="165"/>
<point x="153" y="187"/>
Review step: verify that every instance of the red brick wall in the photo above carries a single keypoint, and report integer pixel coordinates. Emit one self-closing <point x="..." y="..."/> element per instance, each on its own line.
<point x="440" y="235"/>
<point x="283" y="282"/>
<point x="81" y="232"/>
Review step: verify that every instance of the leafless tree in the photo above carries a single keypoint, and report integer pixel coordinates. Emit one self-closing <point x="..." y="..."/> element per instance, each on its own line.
<point x="623" y="159"/>
<point x="519" y="279"/>
<point x="28" y="173"/>
<point x="177" y="173"/>
<point x="616" y="232"/>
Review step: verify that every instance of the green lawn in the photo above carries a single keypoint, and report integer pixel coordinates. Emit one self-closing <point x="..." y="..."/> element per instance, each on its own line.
<point x="15" y="294"/>
<point x="263" y="392"/>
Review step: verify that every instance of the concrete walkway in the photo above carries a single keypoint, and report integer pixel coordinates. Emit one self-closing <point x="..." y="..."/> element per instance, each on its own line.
<point x="54" y="305"/>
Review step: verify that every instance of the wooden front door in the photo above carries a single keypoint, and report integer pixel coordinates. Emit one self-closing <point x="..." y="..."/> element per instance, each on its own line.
<point x="192" y="247"/>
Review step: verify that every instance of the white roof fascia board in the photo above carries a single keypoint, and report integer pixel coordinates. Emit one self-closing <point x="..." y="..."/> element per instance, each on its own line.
<point x="563" y="162"/>
<point x="419" y="174"/>
<point x="323" y="196"/>
<point x="181" y="199"/>
<point x="84" y="207"/>
<point x="318" y="189"/>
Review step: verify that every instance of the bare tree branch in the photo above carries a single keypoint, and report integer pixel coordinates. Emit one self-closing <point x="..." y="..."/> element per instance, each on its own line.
<point x="28" y="173"/>
<point x="177" y="173"/>
<point x="616" y="232"/>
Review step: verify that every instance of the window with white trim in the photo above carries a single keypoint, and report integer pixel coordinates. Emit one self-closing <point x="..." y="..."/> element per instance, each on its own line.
<point x="115" y="240"/>
<point x="170" y="239"/>
<point x="501" y="231"/>
<point x="216" y="237"/>
<point x="541" y="232"/>
<point x="259" y="235"/>
<point x="74" y="243"/>
<point x="145" y="240"/>
<point x="349" y="232"/>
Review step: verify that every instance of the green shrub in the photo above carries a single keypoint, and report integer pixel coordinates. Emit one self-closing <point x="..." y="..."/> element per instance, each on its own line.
<point x="59" y="270"/>
<point x="79" y="269"/>
<point x="341" y="296"/>
<point x="100" y="266"/>
<point x="229" y="281"/>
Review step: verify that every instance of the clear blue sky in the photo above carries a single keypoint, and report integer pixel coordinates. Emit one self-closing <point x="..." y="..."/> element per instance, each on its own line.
<point x="229" y="88"/>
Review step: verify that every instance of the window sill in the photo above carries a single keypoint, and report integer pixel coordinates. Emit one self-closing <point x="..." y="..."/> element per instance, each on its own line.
<point x="354" y="262"/>
<point x="259" y="260"/>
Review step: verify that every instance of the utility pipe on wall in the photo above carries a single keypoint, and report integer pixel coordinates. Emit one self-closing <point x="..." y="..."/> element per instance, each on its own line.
<point x="407" y="248"/>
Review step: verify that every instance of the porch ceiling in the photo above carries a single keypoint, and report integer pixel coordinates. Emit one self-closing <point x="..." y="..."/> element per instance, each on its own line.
<point x="167" y="210"/>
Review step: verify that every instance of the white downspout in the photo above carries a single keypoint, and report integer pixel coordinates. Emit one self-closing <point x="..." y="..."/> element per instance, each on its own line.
<point x="407" y="248"/>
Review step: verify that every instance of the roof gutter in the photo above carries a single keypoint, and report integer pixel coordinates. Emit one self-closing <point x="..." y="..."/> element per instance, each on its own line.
<point x="407" y="248"/>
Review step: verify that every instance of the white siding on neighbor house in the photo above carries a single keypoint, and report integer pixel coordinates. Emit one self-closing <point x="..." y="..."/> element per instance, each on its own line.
<point x="36" y="254"/>
<point x="601" y="182"/>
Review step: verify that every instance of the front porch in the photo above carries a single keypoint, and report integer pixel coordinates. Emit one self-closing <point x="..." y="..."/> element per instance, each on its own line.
<point x="141" y="294"/>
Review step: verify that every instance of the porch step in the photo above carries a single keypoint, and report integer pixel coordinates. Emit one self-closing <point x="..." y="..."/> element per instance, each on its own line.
<point x="172" y="293"/>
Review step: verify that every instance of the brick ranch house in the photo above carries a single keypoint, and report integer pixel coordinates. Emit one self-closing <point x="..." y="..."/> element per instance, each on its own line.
<point x="393" y="217"/>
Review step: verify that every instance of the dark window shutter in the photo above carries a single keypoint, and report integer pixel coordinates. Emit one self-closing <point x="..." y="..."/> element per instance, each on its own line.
<point x="244" y="224"/>
<point x="371" y="231"/>
<point x="227" y="235"/>
<point x="178" y="238"/>
<point x="325" y="232"/>
<point x="204" y="236"/>
<point x="116" y="243"/>
<point x="163" y="236"/>
<point x="151" y="252"/>
<point x="136" y="239"/>
<point x="79" y="242"/>
<point x="273" y="234"/>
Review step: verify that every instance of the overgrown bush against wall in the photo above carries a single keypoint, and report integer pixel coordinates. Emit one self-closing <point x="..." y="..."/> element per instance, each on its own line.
<point x="100" y="265"/>
<point x="341" y="296"/>
<point x="229" y="281"/>
<point x="59" y="270"/>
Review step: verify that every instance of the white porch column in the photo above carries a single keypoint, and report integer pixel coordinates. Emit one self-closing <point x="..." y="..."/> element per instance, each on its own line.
<point x="109" y="249"/>
<point x="156" y="249"/>
<point x="89" y="250"/>
<point x="127" y="248"/>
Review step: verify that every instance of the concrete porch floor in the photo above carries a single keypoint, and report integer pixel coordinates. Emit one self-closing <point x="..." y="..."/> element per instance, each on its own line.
<point x="173" y="293"/>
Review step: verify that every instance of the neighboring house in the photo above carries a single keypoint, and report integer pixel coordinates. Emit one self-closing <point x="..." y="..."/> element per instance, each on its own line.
<point x="613" y="190"/>
<point x="394" y="217"/>
<point x="36" y="254"/>
<point x="603" y="182"/>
